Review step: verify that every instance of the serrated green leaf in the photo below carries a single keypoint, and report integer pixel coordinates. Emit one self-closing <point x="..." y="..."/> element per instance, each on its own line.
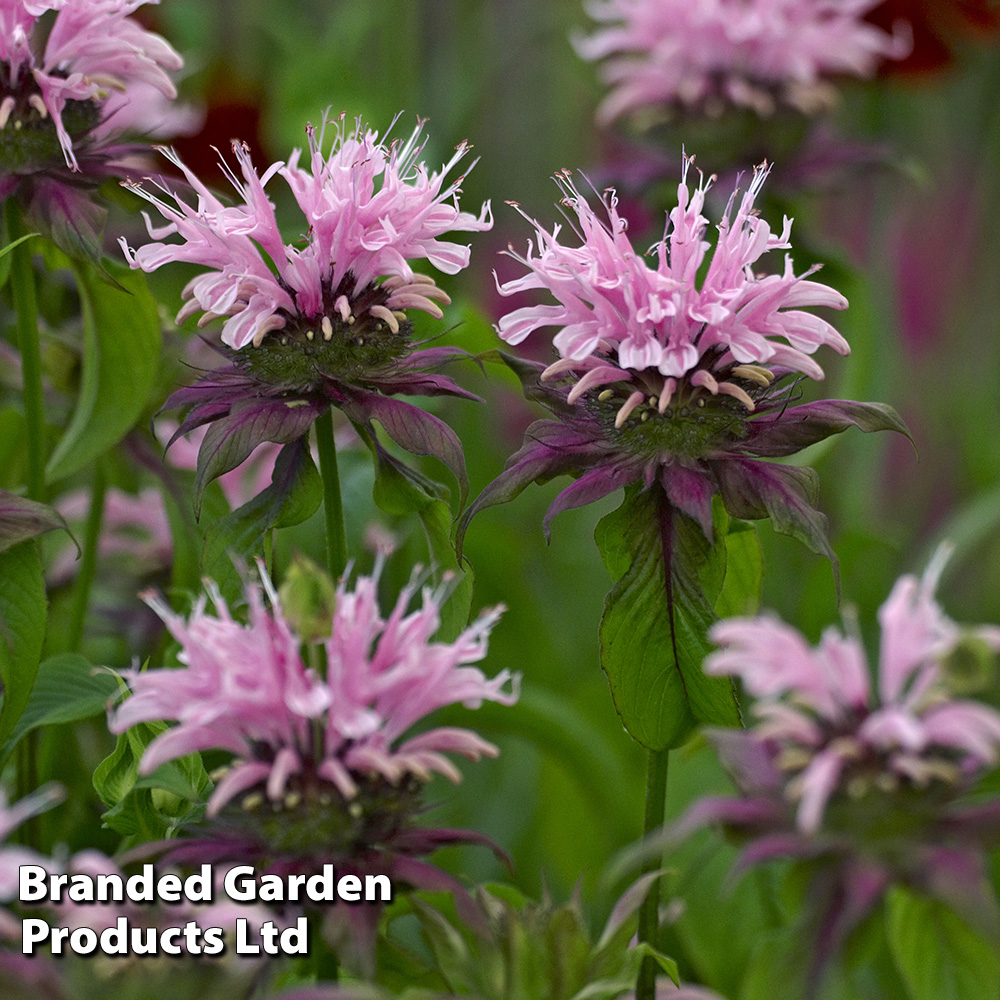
<point x="656" y="677"/>
<point x="66" y="690"/>
<point x="22" y="630"/>
<point x="120" y="362"/>
<point x="939" y="956"/>
<point x="295" y="493"/>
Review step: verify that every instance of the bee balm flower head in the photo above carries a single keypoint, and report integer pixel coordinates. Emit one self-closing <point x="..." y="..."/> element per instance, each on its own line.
<point x="864" y="784"/>
<point x="672" y="363"/>
<point x="321" y="320"/>
<point x="324" y="768"/>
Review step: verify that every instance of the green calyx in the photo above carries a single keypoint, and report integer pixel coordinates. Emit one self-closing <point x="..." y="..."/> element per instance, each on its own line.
<point x="314" y="819"/>
<point x="307" y="349"/>
<point x="29" y="141"/>
<point x="691" y="430"/>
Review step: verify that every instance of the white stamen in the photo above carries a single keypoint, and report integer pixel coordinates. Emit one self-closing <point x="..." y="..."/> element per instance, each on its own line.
<point x="39" y="105"/>
<point x="6" y="107"/>
<point x="728" y="389"/>
<point x="707" y="380"/>
<point x="383" y="313"/>
<point x="628" y="406"/>
<point x="327" y="327"/>
<point x="669" y="385"/>
<point x="754" y="373"/>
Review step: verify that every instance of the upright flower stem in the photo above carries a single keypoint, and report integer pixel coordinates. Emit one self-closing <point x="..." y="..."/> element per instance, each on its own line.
<point x="333" y="508"/>
<point x="88" y="565"/>
<point x="649" y="918"/>
<point x="22" y="279"/>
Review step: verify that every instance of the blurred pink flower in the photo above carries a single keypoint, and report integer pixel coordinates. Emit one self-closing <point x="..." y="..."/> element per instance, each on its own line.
<point x="369" y="209"/>
<point x="836" y="735"/>
<point x="707" y="54"/>
<point x="860" y="785"/>
<point x="244" y="688"/>
<point x="13" y="856"/>
<point x="92" y="52"/>
<point x="75" y="77"/>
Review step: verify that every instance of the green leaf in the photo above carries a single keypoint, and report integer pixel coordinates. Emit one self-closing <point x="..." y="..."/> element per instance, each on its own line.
<point x="295" y="494"/>
<point x="66" y="690"/>
<point x="744" y="572"/>
<point x="116" y="775"/>
<point x="657" y="683"/>
<point x="121" y="357"/>
<point x="22" y="630"/>
<point x="939" y="956"/>
<point x="399" y="491"/>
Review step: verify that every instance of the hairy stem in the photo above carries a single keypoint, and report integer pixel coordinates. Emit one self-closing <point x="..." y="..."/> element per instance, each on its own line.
<point x="333" y="508"/>
<point x="22" y="279"/>
<point x="649" y="916"/>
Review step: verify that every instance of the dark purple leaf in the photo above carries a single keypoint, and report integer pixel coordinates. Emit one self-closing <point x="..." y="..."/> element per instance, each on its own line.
<point x="592" y="485"/>
<point x="230" y="439"/>
<point x="791" y="430"/>
<point x="416" y="430"/>
<point x="784" y="493"/>
<point x="21" y="519"/>
<point x="691" y="491"/>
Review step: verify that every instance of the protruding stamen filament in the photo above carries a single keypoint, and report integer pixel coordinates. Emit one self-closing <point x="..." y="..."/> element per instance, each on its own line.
<point x="628" y="406"/>
<point x="386" y="314"/>
<point x="669" y="387"/>
<point x="6" y="107"/>
<point x="39" y="105"/>
<point x="273" y="322"/>
<point x="558" y="368"/>
<point x="596" y="376"/>
<point x="754" y="373"/>
<point x="706" y="380"/>
<point x="728" y="389"/>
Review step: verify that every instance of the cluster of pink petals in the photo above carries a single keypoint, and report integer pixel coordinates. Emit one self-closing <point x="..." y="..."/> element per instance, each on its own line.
<point x="619" y="315"/>
<point x="820" y="701"/>
<point x="743" y="52"/>
<point x="93" y="52"/>
<point x="244" y="688"/>
<point x="369" y="210"/>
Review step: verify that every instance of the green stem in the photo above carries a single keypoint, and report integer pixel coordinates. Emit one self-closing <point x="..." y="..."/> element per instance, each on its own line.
<point x="88" y="565"/>
<point x="649" y="916"/>
<point x="333" y="508"/>
<point x="22" y="279"/>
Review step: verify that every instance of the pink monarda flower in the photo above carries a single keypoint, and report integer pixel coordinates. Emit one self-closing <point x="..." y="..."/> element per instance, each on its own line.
<point x="324" y="769"/>
<point x="74" y="76"/>
<point x="707" y="54"/>
<point x="670" y="365"/>
<point x="867" y="784"/>
<point x="321" y="321"/>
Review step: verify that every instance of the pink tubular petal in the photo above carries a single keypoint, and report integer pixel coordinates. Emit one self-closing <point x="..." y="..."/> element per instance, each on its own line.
<point x="237" y="780"/>
<point x="818" y="782"/>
